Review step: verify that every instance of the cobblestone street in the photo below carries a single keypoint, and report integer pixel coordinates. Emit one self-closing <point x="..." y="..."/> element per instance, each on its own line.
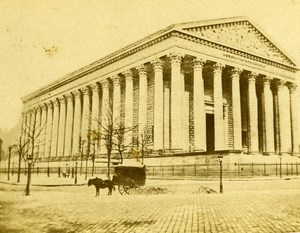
<point x="246" y="206"/>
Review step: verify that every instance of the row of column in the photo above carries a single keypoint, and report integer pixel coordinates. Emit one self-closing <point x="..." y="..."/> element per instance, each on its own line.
<point x="69" y="119"/>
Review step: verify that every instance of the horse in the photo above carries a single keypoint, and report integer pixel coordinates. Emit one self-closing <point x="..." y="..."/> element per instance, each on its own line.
<point x="101" y="184"/>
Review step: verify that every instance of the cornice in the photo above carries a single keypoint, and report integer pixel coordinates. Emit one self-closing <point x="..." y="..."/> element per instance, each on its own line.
<point x="147" y="42"/>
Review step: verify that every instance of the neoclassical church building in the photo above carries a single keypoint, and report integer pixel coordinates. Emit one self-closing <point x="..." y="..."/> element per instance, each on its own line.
<point x="217" y="86"/>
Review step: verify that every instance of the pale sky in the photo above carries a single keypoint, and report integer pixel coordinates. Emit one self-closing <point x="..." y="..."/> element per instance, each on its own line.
<point x="40" y="41"/>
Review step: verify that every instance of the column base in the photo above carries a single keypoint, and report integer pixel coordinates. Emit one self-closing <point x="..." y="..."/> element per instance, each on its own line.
<point x="199" y="150"/>
<point x="253" y="152"/>
<point x="284" y="153"/>
<point x="175" y="150"/>
<point x="268" y="153"/>
<point x="296" y="154"/>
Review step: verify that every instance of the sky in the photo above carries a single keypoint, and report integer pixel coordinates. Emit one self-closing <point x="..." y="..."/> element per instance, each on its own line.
<point x="43" y="40"/>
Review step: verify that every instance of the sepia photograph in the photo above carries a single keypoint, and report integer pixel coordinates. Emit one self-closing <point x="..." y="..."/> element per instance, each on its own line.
<point x="149" y="116"/>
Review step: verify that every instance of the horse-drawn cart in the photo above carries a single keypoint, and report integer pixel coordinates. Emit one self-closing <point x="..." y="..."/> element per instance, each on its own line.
<point x="129" y="178"/>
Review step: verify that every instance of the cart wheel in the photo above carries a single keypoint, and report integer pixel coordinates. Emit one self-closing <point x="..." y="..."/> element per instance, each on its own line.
<point x="128" y="190"/>
<point x="121" y="189"/>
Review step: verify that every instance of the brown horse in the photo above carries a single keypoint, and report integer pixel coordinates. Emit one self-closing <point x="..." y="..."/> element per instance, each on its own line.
<point x="101" y="184"/>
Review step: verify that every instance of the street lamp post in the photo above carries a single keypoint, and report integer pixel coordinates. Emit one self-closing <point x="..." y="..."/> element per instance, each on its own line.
<point x="221" y="171"/>
<point x="29" y="161"/>
<point x="76" y="173"/>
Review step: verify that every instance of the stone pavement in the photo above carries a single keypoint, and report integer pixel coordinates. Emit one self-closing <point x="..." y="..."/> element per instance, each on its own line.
<point x="246" y="206"/>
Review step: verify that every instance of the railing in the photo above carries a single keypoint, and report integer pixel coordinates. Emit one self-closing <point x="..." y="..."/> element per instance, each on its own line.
<point x="236" y="170"/>
<point x="191" y="170"/>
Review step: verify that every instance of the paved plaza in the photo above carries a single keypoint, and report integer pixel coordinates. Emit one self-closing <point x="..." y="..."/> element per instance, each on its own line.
<point x="246" y="206"/>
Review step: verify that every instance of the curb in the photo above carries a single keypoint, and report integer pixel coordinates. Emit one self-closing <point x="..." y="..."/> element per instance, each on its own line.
<point x="42" y="185"/>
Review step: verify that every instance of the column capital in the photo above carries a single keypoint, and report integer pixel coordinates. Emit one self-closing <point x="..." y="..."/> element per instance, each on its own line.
<point x="43" y="106"/>
<point x="198" y="63"/>
<point x="85" y="90"/>
<point x="142" y="69"/>
<point x="37" y="108"/>
<point x="128" y="74"/>
<point x="266" y="80"/>
<point x="104" y="83"/>
<point x="157" y="64"/>
<point x="94" y="87"/>
<point x="68" y="97"/>
<point x="77" y="93"/>
<point x="292" y="87"/>
<point x="49" y="105"/>
<point x="175" y="58"/>
<point x="218" y="67"/>
<point x="235" y="72"/>
<point x="279" y="83"/>
<point x="55" y="102"/>
<point x="61" y="100"/>
<point x="116" y="80"/>
<point x="251" y="77"/>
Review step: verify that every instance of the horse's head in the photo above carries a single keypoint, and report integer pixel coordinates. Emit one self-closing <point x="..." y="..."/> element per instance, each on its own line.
<point x="91" y="182"/>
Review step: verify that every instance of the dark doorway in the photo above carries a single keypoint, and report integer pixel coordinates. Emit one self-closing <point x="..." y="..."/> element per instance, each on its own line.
<point x="210" y="132"/>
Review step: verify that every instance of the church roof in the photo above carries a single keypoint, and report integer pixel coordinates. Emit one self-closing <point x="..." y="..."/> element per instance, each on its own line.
<point x="237" y="35"/>
<point x="240" y="33"/>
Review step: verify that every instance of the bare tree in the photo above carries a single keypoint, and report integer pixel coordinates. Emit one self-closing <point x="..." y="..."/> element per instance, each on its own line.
<point x="32" y="131"/>
<point x="113" y="134"/>
<point x="144" y="141"/>
<point x="107" y="131"/>
<point x="1" y="151"/>
<point x="22" y="150"/>
<point x="119" y="141"/>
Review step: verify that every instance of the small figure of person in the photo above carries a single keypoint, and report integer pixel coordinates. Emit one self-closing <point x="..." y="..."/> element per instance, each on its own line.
<point x="66" y="172"/>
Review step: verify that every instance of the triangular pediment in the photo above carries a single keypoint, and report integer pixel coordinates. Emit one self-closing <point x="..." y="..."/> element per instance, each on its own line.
<point x="240" y="34"/>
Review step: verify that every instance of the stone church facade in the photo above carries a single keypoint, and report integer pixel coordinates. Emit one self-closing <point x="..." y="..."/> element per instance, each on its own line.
<point x="218" y="86"/>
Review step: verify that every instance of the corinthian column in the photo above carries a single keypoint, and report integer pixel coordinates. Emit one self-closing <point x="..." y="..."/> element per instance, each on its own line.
<point x="294" y="112"/>
<point x="48" y="129"/>
<point x="95" y="112"/>
<point x="218" y="107"/>
<point x="86" y="119"/>
<point x="38" y="118"/>
<point x="199" y="107"/>
<point x="142" y="70"/>
<point x="117" y="99"/>
<point x="43" y="132"/>
<point x="55" y="125"/>
<point x="77" y="122"/>
<point x="158" y="104"/>
<point x="253" y="114"/>
<point x="177" y="87"/>
<point x="268" y="117"/>
<point x="236" y="108"/>
<point x="105" y="110"/>
<point x="128" y="104"/>
<point x="284" y="117"/>
<point x="62" y="126"/>
<point x="69" y="125"/>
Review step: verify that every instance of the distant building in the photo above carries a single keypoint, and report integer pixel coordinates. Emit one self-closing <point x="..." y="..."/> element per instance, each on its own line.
<point x="217" y="86"/>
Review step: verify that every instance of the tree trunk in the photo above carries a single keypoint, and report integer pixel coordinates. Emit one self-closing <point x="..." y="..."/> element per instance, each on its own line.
<point x="8" y="167"/>
<point x="19" y="167"/>
<point x="27" y="191"/>
<point x="86" y="167"/>
<point x="108" y="164"/>
<point x="93" y="167"/>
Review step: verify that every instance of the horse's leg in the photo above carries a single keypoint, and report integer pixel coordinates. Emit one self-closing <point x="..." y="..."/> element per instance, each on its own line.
<point x="97" y="191"/>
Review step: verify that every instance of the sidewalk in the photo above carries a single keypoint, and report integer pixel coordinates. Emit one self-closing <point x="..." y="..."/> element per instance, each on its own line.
<point x="54" y="180"/>
<point x="44" y="180"/>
